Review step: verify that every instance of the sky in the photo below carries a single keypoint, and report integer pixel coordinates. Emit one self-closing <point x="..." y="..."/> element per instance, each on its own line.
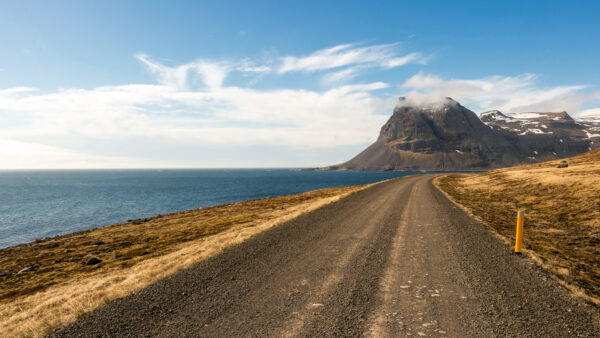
<point x="258" y="84"/>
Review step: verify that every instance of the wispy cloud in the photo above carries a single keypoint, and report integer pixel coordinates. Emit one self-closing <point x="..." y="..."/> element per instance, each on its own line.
<point x="128" y="125"/>
<point x="250" y="66"/>
<point x="339" y="64"/>
<point x="349" y="55"/>
<point x="593" y="113"/>
<point x="212" y="73"/>
<point x="16" y="91"/>
<point x="193" y="115"/>
<point x="505" y="93"/>
<point x="341" y="76"/>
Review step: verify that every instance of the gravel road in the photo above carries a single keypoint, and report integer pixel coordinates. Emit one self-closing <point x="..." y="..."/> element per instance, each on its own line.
<point x="397" y="259"/>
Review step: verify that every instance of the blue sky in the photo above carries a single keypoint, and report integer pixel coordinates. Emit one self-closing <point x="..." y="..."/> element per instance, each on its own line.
<point x="94" y="84"/>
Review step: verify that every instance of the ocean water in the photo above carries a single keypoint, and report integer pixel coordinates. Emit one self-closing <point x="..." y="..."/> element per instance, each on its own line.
<point x="35" y="204"/>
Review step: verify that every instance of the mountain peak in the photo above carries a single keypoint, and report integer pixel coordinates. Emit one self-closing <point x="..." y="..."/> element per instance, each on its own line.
<point x="492" y="113"/>
<point x="423" y="99"/>
<point x="441" y="134"/>
<point x="425" y="104"/>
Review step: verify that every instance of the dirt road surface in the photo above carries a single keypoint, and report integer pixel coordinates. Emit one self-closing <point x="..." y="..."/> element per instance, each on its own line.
<point x="397" y="259"/>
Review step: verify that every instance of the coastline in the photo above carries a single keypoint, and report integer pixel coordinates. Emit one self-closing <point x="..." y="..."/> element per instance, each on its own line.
<point x="48" y="283"/>
<point x="45" y="204"/>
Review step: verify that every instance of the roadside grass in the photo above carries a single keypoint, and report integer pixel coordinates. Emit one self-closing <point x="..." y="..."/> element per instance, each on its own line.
<point x="562" y="214"/>
<point x="47" y="284"/>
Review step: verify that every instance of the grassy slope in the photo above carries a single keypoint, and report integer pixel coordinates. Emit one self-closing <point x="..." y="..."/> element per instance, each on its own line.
<point x="60" y="286"/>
<point x="562" y="220"/>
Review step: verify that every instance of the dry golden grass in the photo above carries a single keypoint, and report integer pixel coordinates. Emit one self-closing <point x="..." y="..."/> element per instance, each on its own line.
<point x="562" y="213"/>
<point x="61" y="287"/>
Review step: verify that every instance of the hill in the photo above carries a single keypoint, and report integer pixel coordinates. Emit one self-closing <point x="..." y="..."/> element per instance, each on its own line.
<point x="447" y="136"/>
<point x="562" y="208"/>
<point x="550" y="134"/>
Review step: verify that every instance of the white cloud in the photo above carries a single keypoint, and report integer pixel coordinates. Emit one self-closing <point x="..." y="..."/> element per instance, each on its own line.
<point x="192" y="117"/>
<point x="383" y="56"/>
<point x="341" y="75"/>
<point x="593" y="113"/>
<point x="212" y="73"/>
<point x="505" y="93"/>
<point x="18" y="155"/>
<point x="404" y="60"/>
<point x="130" y="125"/>
<point x="16" y="91"/>
<point x="249" y="66"/>
<point x="255" y="69"/>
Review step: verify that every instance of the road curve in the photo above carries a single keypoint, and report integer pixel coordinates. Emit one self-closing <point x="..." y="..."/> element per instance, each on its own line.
<point x="397" y="259"/>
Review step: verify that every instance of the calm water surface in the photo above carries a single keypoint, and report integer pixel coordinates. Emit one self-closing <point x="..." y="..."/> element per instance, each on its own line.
<point x="38" y="204"/>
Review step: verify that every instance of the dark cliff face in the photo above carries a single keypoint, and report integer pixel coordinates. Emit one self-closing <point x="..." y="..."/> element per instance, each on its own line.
<point x="448" y="136"/>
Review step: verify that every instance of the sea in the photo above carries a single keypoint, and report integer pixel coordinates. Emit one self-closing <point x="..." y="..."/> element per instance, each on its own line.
<point x="35" y="204"/>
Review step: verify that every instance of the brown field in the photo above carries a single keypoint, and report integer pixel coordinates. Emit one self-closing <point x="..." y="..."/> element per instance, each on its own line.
<point x="562" y="214"/>
<point x="47" y="283"/>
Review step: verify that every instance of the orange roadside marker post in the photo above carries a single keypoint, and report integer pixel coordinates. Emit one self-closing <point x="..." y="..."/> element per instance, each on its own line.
<point x="519" y="237"/>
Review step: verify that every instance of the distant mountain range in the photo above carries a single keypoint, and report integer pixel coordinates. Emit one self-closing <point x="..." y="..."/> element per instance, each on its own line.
<point x="447" y="136"/>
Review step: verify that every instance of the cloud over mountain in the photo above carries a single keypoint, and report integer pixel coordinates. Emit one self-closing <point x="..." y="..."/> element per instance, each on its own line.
<point x="505" y="93"/>
<point x="200" y="113"/>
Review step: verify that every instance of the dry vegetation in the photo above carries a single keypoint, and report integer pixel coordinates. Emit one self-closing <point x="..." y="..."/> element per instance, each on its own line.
<point x="562" y="219"/>
<point x="48" y="283"/>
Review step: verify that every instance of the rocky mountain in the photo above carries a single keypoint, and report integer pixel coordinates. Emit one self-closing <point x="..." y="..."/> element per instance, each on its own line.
<point x="549" y="134"/>
<point x="447" y="136"/>
<point x="591" y="123"/>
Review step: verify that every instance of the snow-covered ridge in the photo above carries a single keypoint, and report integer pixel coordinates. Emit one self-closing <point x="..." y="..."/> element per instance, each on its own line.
<point x="523" y="123"/>
<point x="491" y="113"/>
<point x="526" y="115"/>
<point x="586" y="125"/>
